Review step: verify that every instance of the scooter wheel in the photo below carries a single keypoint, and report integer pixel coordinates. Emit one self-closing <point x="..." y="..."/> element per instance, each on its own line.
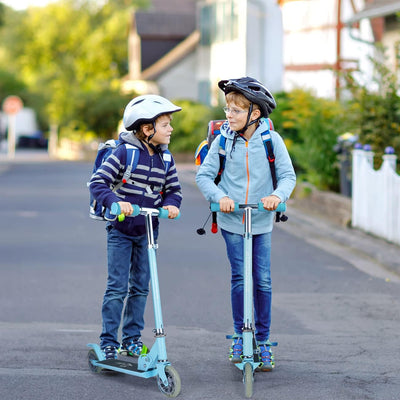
<point x="248" y="380"/>
<point x="174" y="382"/>
<point x="93" y="357"/>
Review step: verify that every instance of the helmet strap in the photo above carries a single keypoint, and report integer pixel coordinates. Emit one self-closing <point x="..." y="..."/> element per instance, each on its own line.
<point x="248" y="122"/>
<point x="152" y="135"/>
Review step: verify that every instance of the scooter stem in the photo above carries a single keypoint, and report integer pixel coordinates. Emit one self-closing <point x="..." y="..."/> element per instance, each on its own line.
<point x="155" y="289"/>
<point x="248" y="286"/>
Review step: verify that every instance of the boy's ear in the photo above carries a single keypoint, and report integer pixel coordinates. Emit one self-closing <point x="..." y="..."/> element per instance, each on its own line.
<point x="257" y="112"/>
<point x="147" y="129"/>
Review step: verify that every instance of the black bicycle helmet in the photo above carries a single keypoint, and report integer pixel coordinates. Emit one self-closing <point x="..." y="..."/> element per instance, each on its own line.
<point x="253" y="90"/>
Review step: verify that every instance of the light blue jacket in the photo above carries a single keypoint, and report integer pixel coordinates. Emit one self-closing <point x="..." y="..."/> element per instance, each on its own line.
<point x="246" y="177"/>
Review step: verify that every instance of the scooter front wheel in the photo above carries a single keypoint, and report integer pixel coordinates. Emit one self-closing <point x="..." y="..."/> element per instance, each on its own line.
<point x="92" y="356"/>
<point x="248" y="380"/>
<point x="174" y="382"/>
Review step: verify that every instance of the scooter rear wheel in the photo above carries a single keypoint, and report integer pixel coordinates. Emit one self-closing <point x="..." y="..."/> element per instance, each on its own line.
<point x="248" y="380"/>
<point x="92" y="356"/>
<point x="174" y="382"/>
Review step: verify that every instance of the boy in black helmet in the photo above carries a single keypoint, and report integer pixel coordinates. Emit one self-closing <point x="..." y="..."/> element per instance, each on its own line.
<point x="247" y="178"/>
<point x="147" y="120"/>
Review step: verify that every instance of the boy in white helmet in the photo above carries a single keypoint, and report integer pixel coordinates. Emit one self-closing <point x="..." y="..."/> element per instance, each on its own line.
<point x="147" y="120"/>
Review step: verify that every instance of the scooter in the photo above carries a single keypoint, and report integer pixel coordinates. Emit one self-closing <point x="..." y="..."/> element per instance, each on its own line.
<point x="155" y="362"/>
<point x="250" y="358"/>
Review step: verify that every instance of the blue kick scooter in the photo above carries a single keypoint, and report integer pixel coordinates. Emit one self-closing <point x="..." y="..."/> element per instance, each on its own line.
<point x="154" y="363"/>
<point x="250" y="358"/>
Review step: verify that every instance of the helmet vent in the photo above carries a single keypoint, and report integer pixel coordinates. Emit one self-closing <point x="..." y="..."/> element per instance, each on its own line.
<point x="137" y="102"/>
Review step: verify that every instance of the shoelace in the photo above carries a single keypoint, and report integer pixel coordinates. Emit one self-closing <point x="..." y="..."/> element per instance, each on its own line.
<point x="237" y="347"/>
<point x="135" y="347"/>
<point x="109" y="352"/>
<point x="265" y="352"/>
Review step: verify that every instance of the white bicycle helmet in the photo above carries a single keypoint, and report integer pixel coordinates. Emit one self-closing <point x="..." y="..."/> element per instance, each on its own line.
<point x="146" y="109"/>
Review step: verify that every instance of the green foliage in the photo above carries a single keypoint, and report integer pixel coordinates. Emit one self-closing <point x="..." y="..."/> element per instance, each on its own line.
<point x="10" y="84"/>
<point x="310" y="127"/>
<point x="190" y="125"/>
<point x="378" y="107"/>
<point x="66" y="53"/>
<point x="101" y="110"/>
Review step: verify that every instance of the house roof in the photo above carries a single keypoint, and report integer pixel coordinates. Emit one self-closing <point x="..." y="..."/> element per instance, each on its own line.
<point x="173" y="6"/>
<point x="155" y="25"/>
<point x="162" y="27"/>
<point x="172" y="57"/>
<point x="378" y="8"/>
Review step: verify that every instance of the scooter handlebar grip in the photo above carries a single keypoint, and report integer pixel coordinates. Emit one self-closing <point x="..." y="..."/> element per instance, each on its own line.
<point x="163" y="213"/>
<point x="214" y="207"/>
<point x="281" y="207"/>
<point x="116" y="209"/>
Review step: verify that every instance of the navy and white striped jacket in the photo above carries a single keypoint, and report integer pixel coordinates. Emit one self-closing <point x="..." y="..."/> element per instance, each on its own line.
<point x="143" y="188"/>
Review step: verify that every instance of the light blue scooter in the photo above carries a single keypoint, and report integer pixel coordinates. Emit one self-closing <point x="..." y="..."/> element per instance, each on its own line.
<point x="154" y="363"/>
<point x="250" y="359"/>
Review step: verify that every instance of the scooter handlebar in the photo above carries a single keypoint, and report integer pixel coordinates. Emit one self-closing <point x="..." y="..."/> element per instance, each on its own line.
<point x="160" y="212"/>
<point x="258" y="206"/>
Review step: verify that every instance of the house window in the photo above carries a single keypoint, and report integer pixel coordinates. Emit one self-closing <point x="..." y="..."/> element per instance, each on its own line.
<point x="218" y="22"/>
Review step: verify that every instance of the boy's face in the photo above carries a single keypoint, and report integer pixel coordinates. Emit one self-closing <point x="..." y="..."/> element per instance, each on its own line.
<point x="163" y="130"/>
<point x="236" y="115"/>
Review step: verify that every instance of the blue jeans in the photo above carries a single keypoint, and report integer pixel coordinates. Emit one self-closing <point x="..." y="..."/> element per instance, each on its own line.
<point x="128" y="277"/>
<point x="261" y="281"/>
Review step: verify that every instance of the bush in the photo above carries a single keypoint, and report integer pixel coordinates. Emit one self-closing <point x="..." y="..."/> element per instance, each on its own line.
<point x="190" y="125"/>
<point x="378" y="107"/>
<point x="310" y="127"/>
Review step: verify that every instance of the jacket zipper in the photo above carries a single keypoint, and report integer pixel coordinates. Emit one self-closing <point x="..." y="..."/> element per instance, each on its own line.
<point x="248" y="174"/>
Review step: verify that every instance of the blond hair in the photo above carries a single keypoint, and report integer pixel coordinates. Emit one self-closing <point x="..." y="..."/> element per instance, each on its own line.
<point x="240" y="100"/>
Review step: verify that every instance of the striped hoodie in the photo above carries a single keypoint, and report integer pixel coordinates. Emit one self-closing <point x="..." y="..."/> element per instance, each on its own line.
<point x="143" y="188"/>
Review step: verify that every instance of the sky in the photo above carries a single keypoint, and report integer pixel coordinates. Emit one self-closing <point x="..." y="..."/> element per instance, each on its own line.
<point x="22" y="4"/>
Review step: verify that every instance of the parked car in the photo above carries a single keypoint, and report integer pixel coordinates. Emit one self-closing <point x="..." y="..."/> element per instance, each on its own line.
<point x="27" y="132"/>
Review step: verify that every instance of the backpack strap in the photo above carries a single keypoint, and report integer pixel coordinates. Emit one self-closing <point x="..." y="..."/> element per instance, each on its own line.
<point x="132" y="159"/>
<point x="266" y="138"/>
<point x="167" y="159"/>
<point x="222" y="157"/>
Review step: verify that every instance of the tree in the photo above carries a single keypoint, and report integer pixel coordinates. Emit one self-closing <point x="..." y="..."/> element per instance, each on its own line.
<point x="378" y="106"/>
<point x="69" y="51"/>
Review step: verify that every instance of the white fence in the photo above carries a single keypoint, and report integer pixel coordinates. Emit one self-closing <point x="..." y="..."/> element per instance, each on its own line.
<point x="376" y="196"/>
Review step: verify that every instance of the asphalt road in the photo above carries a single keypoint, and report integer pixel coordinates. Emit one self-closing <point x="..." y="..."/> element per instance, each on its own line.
<point x="338" y="327"/>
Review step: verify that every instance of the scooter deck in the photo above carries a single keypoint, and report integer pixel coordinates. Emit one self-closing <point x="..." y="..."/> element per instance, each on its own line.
<point x="125" y="367"/>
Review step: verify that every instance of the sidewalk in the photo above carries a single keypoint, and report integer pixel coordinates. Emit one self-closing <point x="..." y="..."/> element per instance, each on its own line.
<point x="319" y="226"/>
<point x="22" y="157"/>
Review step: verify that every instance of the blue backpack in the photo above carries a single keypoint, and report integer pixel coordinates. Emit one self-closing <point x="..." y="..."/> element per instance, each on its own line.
<point x="202" y="151"/>
<point x="96" y="210"/>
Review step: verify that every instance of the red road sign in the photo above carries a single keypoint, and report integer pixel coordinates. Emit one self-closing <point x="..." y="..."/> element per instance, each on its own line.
<point x="12" y="105"/>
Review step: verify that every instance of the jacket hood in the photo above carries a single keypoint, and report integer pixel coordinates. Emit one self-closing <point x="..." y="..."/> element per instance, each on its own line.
<point x="129" y="137"/>
<point x="230" y="134"/>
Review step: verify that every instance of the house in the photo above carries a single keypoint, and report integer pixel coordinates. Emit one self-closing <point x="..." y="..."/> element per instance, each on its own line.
<point x="238" y="38"/>
<point x="383" y="16"/>
<point x="182" y="48"/>
<point x="161" y="48"/>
